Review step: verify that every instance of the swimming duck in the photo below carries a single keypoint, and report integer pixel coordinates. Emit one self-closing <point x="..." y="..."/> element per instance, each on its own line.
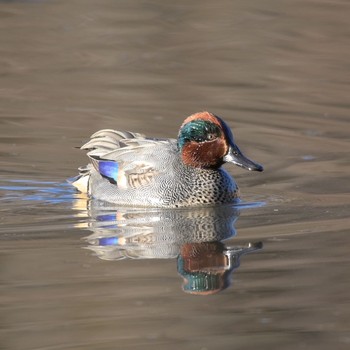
<point x="127" y="168"/>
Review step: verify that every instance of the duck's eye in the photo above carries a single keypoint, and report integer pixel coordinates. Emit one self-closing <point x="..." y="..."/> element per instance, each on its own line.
<point x="211" y="137"/>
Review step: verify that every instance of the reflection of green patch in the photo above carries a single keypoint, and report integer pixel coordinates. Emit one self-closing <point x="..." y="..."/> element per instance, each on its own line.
<point x="200" y="281"/>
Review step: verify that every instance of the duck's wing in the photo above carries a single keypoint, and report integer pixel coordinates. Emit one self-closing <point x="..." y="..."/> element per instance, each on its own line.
<point x="127" y="159"/>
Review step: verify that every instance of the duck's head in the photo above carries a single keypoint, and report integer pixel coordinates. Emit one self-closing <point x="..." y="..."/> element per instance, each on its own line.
<point x="205" y="141"/>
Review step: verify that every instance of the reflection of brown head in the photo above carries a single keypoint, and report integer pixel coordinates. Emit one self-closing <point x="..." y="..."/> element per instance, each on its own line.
<point x="204" y="256"/>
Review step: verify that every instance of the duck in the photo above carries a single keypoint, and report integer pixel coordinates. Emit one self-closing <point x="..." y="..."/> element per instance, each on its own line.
<point x="129" y="169"/>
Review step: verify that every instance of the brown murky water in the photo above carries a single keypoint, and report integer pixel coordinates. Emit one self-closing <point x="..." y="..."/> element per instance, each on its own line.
<point x="278" y="72"/>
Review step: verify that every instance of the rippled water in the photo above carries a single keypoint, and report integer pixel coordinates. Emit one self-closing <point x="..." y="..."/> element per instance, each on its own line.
<point x="75" y="275"/>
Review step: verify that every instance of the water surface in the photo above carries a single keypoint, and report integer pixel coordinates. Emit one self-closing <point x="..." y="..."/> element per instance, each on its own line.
<point x="277" y="72"/>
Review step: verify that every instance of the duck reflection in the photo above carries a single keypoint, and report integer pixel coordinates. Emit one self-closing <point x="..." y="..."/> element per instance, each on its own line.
<point x="207" y="267"/>
<point x="194" y="237"/>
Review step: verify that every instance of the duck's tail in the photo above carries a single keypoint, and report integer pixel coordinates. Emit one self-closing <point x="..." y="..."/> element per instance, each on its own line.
<point x="81" y="181"/>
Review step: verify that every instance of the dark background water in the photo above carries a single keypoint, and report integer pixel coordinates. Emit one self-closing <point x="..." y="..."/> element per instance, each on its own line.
<point x="276" y="71"/>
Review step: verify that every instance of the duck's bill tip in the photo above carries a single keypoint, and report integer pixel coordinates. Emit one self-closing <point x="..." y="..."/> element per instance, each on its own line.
<point x="235" y="156"/>
<point x="250" y="165"/>
<point x="257" y="167"/>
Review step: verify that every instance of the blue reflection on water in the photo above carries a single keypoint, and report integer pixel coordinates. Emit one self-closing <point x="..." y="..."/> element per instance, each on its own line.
<point x="33" y="190"/>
